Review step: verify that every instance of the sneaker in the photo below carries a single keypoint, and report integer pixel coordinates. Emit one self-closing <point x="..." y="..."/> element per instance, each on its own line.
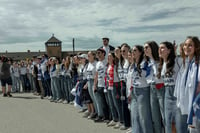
<point x="52" y="100"/>
<point x="71" y="103"/>
<point x="118" y="125"/>
<point x="99" y="119"/>
<point x="65" y="102"/>
<point x="4" y="95"/>
<point x="123" y="128"/>
<point x="86" y="114"/>
<point x="8" y="94"/>
<point x="49" y="97"/>
<point x="92" y="116"/>
<point x="129" y="130"/>
<point x="111" y="123"/>
<point x="59" y="101"/>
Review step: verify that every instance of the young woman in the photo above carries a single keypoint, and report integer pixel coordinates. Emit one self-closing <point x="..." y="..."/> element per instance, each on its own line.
<point x="112" y="85"/>
<point x="187" y="90"/>
<point x="142" y="121"/>
<point x="119" y="66"/>
<point x="83" y="87"/>
<point x="16" y="80"/>
<point x="52" y="72"/>
<point x="68" y="79"/>
<point x="123" y="71"/>
<point x="129" y="84"/>
<point x="157" y="90"/>
<point x="58" y="78"/>
<point x="168" y="69"/>
<point x="90" y="81"/>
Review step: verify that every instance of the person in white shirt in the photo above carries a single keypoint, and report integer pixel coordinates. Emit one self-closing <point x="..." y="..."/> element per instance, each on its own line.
<point x="157" y="90"/>
<point x="30" y="75"/>
<point x="91" y="69"/>
<point x="99" y="86"/>
<point x="16" y="80"/>
<point x="140" y="103"/>
<point x="122" y="72"/>
<point x="108" y="48"/>
<point x="188" y="85"/>
<point x="23" y="75"/>
<point x="167" y="70"/>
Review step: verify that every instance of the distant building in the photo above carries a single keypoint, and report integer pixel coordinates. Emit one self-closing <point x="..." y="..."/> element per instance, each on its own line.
<point x="53" y="48"/>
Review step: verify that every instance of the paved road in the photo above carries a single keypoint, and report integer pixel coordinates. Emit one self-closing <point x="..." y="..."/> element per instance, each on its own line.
<point x="25" y="113"/>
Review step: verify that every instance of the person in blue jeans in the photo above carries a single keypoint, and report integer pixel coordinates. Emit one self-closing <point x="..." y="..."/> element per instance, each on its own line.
<point x="168" y="69"/>
<point x="142" y="120"/>
<point x="157" y="91"/>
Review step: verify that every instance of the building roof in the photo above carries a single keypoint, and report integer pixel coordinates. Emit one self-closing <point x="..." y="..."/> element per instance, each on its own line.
<point x="53" y="39"/>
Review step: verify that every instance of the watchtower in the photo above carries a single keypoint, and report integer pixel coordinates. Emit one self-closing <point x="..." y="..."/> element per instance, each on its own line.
<point x="54" y="47"/>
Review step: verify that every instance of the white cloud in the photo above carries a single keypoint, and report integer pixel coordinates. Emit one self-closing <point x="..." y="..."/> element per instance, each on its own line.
<point x="29" y="24"/>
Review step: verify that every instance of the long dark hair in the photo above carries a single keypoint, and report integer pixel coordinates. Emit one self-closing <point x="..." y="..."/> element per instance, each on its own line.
<point x="154" y="50"/>
<point x="170" y="61"/>
<point x="196" y="42"/>
<point x="119" y="60"/>
<point x="115" y="61"/>
<point x="141" y="50"/>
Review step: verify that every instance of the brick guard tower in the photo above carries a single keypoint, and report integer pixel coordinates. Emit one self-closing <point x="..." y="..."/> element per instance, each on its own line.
<point x="54" y="47"/>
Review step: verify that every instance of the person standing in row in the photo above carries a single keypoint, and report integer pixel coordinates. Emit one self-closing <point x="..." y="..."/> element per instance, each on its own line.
<point x="157" y="90"/>
<point x="5" y="77"/>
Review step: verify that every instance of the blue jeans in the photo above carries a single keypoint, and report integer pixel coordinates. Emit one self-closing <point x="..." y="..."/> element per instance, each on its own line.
<point x="111" y="105"/>
<point x="68" y="88"/>
<point x="58" y="88"/>
<point x="91" y="92"/>
<point x="47" y="87"/>
<point x="101" y="101"/>
<point x="116" y="94"/>
<point x="125" y="110"/>
<point x="53" y="88"/>
<point x="173" y="113"/>
<point x="196" y="122"/>
<point x="141" y="120"/>
<point x="157" y="107"/>
<point x="16" y="83"/>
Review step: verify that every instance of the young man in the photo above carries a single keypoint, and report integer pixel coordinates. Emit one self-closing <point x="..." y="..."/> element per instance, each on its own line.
<point x="99" y="86"/>
<point x="107" y="47"/>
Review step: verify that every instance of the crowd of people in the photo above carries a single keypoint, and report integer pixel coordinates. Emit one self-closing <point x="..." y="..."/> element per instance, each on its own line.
<point x="141" y="89"/>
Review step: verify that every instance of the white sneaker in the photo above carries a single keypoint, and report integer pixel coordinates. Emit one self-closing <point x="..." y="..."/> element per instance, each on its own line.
<point x="50" y="97"/>
<point x="60" y="101"/>
<point x="112" y="123"/>
<point x="118" y="125"/>
<point x="65" y="102"/>
<point x="129" y="130"/>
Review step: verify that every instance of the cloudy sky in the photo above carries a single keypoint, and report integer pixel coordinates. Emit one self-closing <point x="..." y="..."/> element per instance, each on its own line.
<point x="28" y="24"/>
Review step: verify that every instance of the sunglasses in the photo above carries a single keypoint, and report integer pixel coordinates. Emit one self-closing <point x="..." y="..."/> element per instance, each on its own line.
<point x="146" y="47"/>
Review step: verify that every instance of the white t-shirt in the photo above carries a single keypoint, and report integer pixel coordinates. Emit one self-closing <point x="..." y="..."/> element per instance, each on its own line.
<point x="170" y="80"/>
<point x="16" y="71"/>
<point x="100" y="68"/>
<point x="120" y="72"/>
<point x="139" y="79"/>
<point x="152" y="78"/>
<point x="125" y="68"/>
<point x="129" y="80"/>
<point x="23" y="70"/>
<point x="91" y="69"/>
<point x="53" y="72"/>
<point x="107" y="49"/>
